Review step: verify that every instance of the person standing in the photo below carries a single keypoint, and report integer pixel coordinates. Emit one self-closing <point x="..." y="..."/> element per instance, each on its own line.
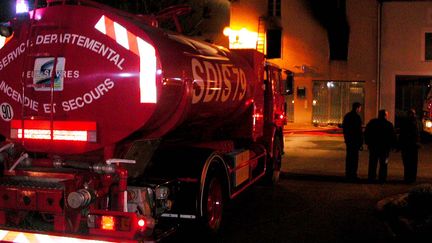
<point x="380" y="138"/>
<point x="409" y="144"/>
<point x="353" y="136"/>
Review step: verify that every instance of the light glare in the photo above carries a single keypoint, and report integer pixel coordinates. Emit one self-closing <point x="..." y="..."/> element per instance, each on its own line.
<point x="22" y="6"/>
<point x="141" y="223"/>
<point x="107" y="223"/>
<point x="2" y="41"/>
<point x="147" y="71"/>
<point x="241" y="39"/>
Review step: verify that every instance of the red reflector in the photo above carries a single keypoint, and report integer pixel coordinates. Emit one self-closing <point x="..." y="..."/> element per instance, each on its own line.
<point x="141" y="223"/>
<point x="58" y="134"/>
<point x="107" y="223"/>
<point x="279" y="116"/>
<point x="62" y="130"/>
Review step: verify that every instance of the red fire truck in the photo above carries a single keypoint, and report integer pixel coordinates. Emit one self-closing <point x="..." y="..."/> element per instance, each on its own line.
<point x="117" y="130"/>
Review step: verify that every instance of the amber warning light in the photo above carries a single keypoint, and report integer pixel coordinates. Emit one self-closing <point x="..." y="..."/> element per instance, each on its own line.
<point x="61" y="130"/>
<point x="107" y="223"/>
<point x="120" y="224"/>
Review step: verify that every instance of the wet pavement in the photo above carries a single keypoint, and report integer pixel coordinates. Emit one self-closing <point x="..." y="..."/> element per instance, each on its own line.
<point x="313" y="202"/>
<point x="323" y="153"/>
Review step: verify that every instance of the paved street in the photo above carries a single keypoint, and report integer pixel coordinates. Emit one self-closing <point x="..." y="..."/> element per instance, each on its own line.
<point x="313" y="153"/>
<point x="313" y="203"/>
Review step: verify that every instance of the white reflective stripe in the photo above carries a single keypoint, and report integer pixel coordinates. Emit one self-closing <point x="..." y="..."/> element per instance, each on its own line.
<point x="71" y="240"/>
<point x="147" y="71"/>
<point x="3" y="234"/>
<point x="121" y="35"/>
<point x="44" y="238"/>
<point x="146" y="52"/>
<point x="21" y="238"/>
<point x="100" y="25"/>
<point x="2" y="41"/>
<point x="187" y="216"/>
<point x="183" y="216"/>
<point x="170" y="215"/>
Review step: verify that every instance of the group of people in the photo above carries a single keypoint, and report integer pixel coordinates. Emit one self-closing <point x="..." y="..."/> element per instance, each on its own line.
<point x="380" y="138"/>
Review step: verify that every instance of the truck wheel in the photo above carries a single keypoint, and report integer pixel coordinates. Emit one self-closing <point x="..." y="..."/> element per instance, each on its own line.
<point x="274" y="165"/>
<point x="213" y="204"/>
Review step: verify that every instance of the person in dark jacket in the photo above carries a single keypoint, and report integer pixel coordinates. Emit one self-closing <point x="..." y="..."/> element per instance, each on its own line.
<point x="380" y="138"/>
<point x="409" y="143"/>
<point x="353" y="135"/>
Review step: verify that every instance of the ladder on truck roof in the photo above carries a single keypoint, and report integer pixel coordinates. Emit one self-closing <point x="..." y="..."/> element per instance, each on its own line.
<point x="29" y="62"/>
<point x="261" y="38"/>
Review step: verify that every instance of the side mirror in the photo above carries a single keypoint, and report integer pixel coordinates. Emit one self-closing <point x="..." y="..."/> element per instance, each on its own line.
<point x="5" y="30"/>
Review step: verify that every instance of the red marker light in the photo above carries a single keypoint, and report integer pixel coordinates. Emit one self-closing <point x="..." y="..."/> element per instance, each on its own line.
<point x="62" y="130"/>
<point x="141" y="223"/>
<point x="279" y="116"/>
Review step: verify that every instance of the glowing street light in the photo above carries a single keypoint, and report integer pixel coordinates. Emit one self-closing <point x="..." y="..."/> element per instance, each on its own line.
<point x="241" y="39"/>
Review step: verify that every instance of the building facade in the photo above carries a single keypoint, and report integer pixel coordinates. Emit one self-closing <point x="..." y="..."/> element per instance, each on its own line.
<point x="324" y="86"/>
<point x="406" y="55"/>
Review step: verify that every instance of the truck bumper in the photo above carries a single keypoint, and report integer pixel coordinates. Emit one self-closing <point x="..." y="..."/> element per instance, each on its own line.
<point x="17" y="236"/>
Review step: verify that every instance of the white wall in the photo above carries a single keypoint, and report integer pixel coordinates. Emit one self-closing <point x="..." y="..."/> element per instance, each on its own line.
<point x="404" y="24"/>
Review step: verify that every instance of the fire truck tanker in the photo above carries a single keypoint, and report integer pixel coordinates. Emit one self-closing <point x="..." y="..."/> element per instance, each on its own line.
<point x="117" y="130"/>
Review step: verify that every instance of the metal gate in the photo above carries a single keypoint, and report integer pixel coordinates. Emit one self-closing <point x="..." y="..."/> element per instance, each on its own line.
<point x="333" y="99"/>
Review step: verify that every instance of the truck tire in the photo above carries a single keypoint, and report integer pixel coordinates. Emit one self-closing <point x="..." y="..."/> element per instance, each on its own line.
<point x="272" y="175"/>
<point x="214" y="204"/>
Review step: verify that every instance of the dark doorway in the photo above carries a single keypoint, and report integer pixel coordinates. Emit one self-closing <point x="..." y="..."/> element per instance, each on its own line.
<point x="411" y="92"/>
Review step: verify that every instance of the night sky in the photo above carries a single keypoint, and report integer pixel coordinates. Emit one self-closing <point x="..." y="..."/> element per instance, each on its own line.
<point x="331" y="14"/>
<point x="6" y="9"/>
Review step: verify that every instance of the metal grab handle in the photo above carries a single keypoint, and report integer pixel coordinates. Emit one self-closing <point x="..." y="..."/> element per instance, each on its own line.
<point x="124" y="161"/>
<point x="6" y="147"/>
<point x="19" y="160"/>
